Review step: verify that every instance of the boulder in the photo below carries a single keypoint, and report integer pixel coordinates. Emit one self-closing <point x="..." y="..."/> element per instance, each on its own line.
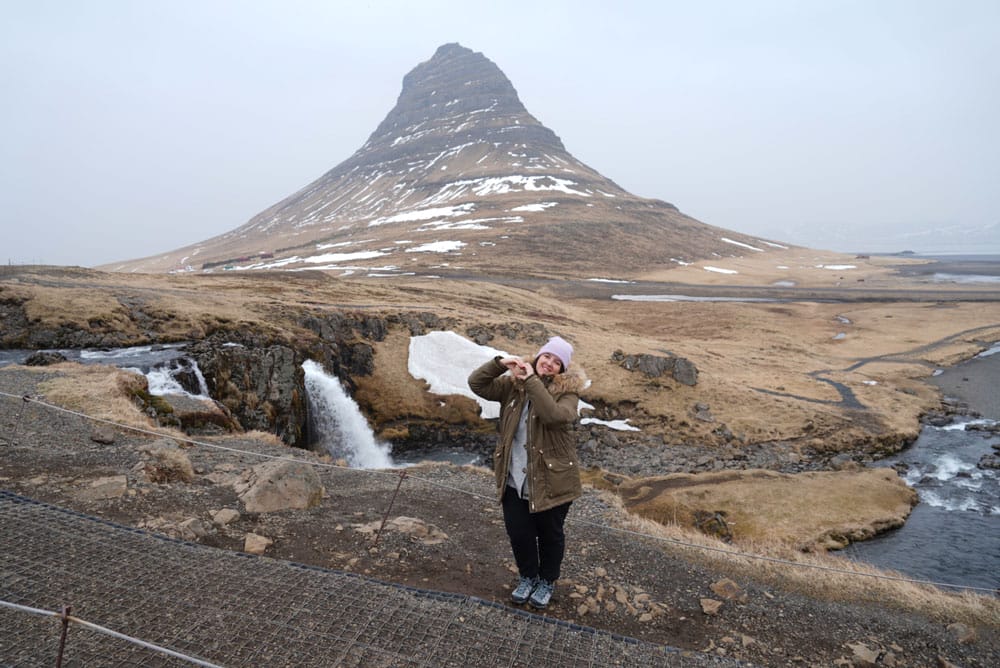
<point x="254" y="543"/>
<point x="192" y="529"/>
<point x="710" y="606"/>
<point x="685" y="372"/>
<point x="962" y="633"/>
<point x="99" y="489"/>
<point x="863" y="655"/>
<point x="103" y="434"/>
<point x="225" y="516"/>
<point x="728" y="590"/>
<point x="282" y="485"/>
<point x="989" y="462"/>
<point x="44" y="359"/>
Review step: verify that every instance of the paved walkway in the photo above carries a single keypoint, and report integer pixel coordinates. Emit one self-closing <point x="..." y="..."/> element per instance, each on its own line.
<point x="234" y="609"/>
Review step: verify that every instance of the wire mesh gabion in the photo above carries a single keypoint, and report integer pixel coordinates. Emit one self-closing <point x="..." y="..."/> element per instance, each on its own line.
<point x="233" y="609"/>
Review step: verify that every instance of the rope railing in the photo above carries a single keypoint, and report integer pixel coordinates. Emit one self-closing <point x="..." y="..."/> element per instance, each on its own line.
<point x="403" y="474"/>
<point x="67" y="619"/>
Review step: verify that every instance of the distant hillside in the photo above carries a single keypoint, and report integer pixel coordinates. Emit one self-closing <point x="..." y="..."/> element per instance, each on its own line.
<point x="459" y="177"/>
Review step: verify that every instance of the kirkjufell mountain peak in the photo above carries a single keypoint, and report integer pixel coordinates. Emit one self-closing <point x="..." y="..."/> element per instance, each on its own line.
<point x="459" y="175"/>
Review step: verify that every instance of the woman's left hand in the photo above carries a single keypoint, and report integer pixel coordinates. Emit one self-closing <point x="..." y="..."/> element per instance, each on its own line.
<point x="523" y="370"/>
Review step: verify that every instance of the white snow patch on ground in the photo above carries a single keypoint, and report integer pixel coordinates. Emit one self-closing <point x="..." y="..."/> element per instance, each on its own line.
<point x="618" y="425"/>
<point x="501" y="185"/>
<point x="836" y="267"/>
<point x="437" y="247"/>
<point x="439" y="225"/>
<point x="343" y="244"/>
<point x="445" y="360"/>
<point x="609" y="280"/>
<point x="534" y="208"/>
<point x="772" y="245"/>
<point x="277" y="264"/>
<point x="742" y="245"/>
<point x="721" y="271"/>
<point x="471" y="224"/>
<point x="687" y="298"/>
<point x="425" y="214"/>
<point x="342" y="257"/>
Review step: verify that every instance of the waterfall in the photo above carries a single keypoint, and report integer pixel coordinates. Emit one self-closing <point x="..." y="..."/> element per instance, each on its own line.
<point x="180" y="375"/>
<point x="342" y="430"/>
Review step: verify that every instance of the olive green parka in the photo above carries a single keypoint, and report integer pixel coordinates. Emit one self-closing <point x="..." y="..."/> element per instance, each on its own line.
<point x="553" y="468"/>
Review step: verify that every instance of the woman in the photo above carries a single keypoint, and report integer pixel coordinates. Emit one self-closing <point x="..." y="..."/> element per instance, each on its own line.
<point x="535" y="463"/>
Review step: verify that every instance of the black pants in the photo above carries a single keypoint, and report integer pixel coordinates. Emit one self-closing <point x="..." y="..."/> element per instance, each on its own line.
<point x="537" y="539"/>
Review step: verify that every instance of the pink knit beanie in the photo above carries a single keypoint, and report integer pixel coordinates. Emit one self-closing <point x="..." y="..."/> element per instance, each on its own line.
<point x="559" y="347"/>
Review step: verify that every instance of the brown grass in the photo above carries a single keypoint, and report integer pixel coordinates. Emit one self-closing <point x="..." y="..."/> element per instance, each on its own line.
<point x="99" y="391"/>
<point x="809" y="511"/>
<point x="822" y="575"/>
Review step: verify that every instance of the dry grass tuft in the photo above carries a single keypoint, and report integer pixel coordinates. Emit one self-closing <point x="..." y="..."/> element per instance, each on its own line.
<point x="820" y="575"/>
<point x="99" y="391"/>
<point x="168" y="465"/>
<point x="265" y="437"/>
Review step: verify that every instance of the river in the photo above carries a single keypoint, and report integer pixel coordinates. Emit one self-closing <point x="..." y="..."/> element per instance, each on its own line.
<point x="953" y="534"/>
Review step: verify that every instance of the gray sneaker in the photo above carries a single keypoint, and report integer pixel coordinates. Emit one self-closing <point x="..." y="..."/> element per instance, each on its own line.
<point x="541" y="594"/>
<point x="523" y="590"/>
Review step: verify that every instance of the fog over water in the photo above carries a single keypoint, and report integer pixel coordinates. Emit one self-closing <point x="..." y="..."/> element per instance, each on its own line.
<point x="133" y="128"/>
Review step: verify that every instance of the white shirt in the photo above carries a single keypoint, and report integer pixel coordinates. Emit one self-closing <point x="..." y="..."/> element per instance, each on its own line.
<point x="517" y="472"/>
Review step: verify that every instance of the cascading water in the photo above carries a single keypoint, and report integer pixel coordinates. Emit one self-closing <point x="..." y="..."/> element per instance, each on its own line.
<point x="953" y="534"/>
<point x="177" y="376"/>
<point x="341" y="428"/>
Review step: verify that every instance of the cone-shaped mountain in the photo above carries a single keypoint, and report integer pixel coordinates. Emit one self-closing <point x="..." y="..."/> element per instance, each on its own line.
<point x="459" y="175"/>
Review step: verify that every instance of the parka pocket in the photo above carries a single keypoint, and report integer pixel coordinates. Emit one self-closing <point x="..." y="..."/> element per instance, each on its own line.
<point x="562" y="477"/>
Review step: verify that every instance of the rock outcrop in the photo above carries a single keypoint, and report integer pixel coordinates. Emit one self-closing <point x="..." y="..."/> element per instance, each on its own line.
<point x="656" y="366"/>
<point x="259" y="382"/>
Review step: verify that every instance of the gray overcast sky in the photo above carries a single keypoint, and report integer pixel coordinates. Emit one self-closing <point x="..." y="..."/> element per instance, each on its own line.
<point x="132" y="128"/>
